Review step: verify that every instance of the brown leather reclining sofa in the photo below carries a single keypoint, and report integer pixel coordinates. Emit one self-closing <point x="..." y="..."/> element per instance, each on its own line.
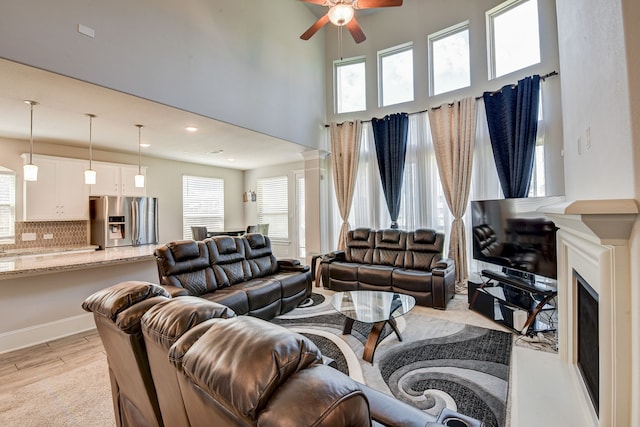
<point x="239" y="272"/>
<point x="408" y="262"/>
<point x="187" y="362"/>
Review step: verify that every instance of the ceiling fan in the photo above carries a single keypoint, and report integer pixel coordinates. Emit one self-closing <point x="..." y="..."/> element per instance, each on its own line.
<point x="341" y="13"/>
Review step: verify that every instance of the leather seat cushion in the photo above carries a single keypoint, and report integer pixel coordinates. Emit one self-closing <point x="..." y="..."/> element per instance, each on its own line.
<point x="379" y="275"/>
<point x="261" y="292"/>
<point x="234" y="298"/>
<point x="412" y="280"/>
<point x="344" y="271"/>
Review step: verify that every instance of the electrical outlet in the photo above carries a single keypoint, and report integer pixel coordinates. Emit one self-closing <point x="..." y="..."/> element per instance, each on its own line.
<point x="588" y="142"/>
<point x="87" y="31"/>
<point x="579" y="146"/>
<point x="48" y="236"/>
<point x="28" y="237"/>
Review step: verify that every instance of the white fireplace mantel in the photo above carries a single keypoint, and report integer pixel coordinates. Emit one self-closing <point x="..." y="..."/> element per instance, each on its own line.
<point x="593" y="240"/>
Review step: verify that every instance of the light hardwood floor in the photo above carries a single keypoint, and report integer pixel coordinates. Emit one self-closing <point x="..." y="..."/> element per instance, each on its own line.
<point x="21" y="367"/>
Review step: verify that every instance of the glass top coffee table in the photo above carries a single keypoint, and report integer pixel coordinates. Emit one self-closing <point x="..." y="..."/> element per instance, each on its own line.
<point x="376" y="307"/>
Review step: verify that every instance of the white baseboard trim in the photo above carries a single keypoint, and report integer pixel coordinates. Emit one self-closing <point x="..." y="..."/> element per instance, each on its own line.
<point x="27" y="337"/>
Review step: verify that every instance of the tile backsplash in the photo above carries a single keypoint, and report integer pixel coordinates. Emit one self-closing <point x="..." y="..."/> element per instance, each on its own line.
<point x="46" y="234"/>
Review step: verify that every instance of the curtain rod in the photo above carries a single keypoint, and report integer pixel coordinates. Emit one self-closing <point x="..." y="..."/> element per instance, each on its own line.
<point x="543" y="78"/>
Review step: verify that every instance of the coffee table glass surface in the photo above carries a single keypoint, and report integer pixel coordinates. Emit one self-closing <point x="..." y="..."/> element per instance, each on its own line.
<point x="377" y="307"/>
<point x="372" y="306"/>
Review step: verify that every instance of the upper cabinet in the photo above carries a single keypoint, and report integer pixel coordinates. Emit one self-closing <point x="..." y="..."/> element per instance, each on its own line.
<point x="59" y="193"/>
<point x="113" y="179"/>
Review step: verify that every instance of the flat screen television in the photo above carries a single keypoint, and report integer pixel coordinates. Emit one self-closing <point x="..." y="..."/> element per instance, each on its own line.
<point x="514" y="236"/>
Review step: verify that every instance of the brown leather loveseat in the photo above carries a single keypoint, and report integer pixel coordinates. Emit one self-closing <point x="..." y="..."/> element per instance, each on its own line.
<point x="239" y="272"/>
<point x="408" y="262"/>
<point x="191" y="362"/>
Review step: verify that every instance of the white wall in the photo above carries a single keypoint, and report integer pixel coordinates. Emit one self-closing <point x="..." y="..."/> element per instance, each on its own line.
<point x="414" y="21"/>
<point x="164" y="180"/>
<point x="236" y="61"/>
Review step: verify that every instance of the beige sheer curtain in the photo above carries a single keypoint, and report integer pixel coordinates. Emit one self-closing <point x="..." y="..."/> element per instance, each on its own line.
<point x="453" y="130"/>
<point x="345" y="151"/>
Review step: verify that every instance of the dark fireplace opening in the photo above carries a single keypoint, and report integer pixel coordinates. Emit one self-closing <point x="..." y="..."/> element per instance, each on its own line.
<point x="588" y="342"/>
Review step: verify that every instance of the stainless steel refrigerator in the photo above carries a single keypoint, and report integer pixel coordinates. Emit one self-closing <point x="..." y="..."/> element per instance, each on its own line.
<point x="123" y="221"/>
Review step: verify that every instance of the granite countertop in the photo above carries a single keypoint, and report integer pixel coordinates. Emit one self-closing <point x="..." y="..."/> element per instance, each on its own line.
<point x="46" y="250"/>
<point x="41" y="263"/>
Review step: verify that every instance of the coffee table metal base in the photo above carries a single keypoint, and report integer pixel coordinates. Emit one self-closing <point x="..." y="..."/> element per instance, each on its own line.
<point x="373" y="337"/>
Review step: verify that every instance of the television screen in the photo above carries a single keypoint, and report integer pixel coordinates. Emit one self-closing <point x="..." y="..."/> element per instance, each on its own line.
<point x="514" y="235"/>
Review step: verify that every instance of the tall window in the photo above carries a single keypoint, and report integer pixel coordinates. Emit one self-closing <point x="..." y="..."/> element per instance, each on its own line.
<point x="202" y="204"/>
<point x="395" y="75"/>
<point x="514" y="37"/>
<point x="449" y="60"/>
<point x="350" y="85"/>
<point x="7" y="205"/>
<point x="273" y="205"/>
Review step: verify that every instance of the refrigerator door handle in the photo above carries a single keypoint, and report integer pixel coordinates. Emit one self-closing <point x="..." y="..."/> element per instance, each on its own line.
<point x="135" y="223"/>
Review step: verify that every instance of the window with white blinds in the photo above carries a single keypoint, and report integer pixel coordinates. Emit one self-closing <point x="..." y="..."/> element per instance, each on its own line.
<point x="202" y="204"/>
<point x="273" y="205"/>
<point x="7" y="206"/>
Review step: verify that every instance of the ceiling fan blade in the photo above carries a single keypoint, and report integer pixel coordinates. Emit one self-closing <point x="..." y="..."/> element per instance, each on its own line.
<point x="320" y="2"/>
<point x="371" y="4"/>
<point x="315" y="27"/>
<point x="356" y="31"/>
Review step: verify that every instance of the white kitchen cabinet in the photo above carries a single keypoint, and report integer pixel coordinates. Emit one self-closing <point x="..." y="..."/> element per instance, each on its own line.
<point x="59" y="193"/>
<point x="114" y="179"/>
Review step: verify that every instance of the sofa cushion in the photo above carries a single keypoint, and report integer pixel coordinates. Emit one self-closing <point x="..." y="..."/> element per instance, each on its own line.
<point x="411" y="280"/>
<point x="185" y="264"/>
<point x="114" y="300"/>
<point x="258" y="253"/>
<point x="390" y="248"/>
<point x="233" y="297"/>
<point x="233" y="342"/>
<point x="261" y="292"/>
<point x="359" y="245"/>
<point x="424" y="249"/>
<point x="228" y="260"/>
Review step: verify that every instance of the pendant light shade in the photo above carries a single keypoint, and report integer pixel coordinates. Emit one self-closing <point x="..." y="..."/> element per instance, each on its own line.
<point x="90" y="174"/>
<point x="139" y="179"/>
<point x="30" y="171"/>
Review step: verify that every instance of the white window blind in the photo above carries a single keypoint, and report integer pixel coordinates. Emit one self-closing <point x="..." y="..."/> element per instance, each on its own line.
<point x="202" y="204"/>
<point x="7" y="206"/>
<point x="273" y="205"/>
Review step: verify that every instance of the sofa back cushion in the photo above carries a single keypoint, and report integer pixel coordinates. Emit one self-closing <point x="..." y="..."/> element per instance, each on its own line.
<point x="424" y="249"/>
<point x="257" y="251"/>
<point x="359" y="245"/>
<point x="268" y="354"/>
<point x="390" y="246"/>
<point x="228" y="260"/>
<point x="185" y="264"/>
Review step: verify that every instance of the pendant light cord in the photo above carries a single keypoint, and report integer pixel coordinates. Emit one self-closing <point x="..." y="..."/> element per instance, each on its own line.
<point x="91" y="116"/>
<point x="139" y="154"/>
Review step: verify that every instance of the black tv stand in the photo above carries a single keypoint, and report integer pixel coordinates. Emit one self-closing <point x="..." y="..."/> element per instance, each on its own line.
<point x="514" y="302"/>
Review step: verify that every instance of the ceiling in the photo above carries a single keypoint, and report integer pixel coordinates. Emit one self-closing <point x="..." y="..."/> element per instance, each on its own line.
<point x="60" y="119"/>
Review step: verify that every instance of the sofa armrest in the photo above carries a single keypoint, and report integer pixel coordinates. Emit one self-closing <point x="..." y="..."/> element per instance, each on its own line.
<point x="443" y="283"/>
<point x="389" y="411"/>
<point x="324" y="258"/>
<point x="289" y="267"/>
<point x="176" y="291"/>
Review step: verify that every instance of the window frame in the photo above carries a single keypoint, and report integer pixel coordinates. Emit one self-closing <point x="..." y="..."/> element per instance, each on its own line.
<point x="385" y="53"/>
<point x="491" y="49"/>
<point x="336" y="87"/>
<point x="218" y="182"/>
<point x="440" y="35"/>
<point x="10" y="206"/>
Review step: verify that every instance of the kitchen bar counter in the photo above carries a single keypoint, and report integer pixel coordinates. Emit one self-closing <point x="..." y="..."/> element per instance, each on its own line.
<point x="43" y="263"/>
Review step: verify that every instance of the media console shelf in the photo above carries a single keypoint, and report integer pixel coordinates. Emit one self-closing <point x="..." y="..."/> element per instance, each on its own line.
<point x="514" y="303"/>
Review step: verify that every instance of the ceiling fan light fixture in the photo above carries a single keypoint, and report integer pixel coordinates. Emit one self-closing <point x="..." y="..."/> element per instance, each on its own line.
<point x="341" y="14"/>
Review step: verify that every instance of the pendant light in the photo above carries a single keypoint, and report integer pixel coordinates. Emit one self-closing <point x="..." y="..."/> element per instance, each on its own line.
<point x="139" y="179"/>
<point x="30" y="170"/>
<point x="90" y="174"/>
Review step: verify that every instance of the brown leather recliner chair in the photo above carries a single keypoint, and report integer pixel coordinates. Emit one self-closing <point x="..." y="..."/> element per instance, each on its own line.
<point x="117" y="311"/>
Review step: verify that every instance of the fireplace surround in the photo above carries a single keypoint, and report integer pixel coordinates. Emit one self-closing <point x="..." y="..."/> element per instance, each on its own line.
<point x="594" y="241"/>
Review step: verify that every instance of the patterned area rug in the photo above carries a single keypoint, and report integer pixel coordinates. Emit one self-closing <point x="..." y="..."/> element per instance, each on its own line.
<point x="439" y="363"/>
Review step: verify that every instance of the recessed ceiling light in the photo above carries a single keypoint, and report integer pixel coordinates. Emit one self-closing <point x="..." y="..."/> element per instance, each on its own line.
<point x="231" y="160"/>
<point x="191" y="128"/>
<point x="145" y="145"/>
<point x="215" y="151"/>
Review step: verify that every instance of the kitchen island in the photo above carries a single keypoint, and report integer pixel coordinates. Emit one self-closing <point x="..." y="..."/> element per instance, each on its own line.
<point x="42" y="293"/>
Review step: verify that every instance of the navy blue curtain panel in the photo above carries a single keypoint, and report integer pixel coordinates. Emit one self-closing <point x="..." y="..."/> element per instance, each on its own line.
<point x="512" y="116"/>
<point x="390" y="137"/>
